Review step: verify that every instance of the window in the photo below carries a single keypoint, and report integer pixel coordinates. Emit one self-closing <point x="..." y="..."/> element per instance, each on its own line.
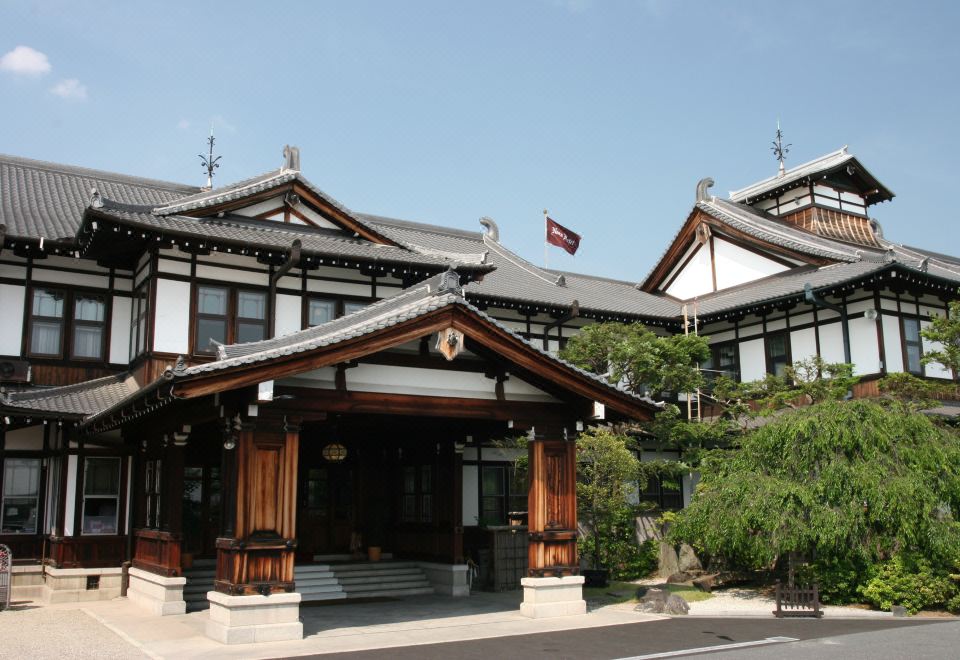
<point x="778" y="353"/>
<point x="151" y="487"/>
<point x="912" y="346"/>
<point x="663" y="491"/>
<point x="416" y="503"/>
<point x="101" y="495"/>
<point x="321" y="310"/>
<point x="503" y="491"/>
<point x="48" y="324"/>
<point x="228" y="316"/>
<point x="21" y="495"/>
<point x="138" y="322"/>
<point x="351" y="306"/>
<point x="722" y="362"/>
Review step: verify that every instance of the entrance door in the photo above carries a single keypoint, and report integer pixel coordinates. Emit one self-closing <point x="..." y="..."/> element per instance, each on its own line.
<point x="201" y="510"/>
<point x="327" y="513"/>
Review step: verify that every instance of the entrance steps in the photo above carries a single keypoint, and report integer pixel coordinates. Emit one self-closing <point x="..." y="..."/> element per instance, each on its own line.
<point x="316" y="582"/>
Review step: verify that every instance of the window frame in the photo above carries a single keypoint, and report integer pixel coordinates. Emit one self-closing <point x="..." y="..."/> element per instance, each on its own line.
<point x="139" y="314"/>
<point x="101" y="497"/>
<point x="153" y="499"/>
<point x="37" y="527"/>
<point x="339" y="307"/>
<point x="713" y="367"/>
<point x="511" y="495"/>
<point x="654" y="491"/>
<point x="231" y="319"/>
<point x="905" y="345"/>
<point x="787" y="357"/>
<point x="68" y="324"/>
<point x="417" y="503"/>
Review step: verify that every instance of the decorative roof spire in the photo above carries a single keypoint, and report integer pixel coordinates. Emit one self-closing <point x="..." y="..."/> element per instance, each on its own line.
<point x="208" y="162"/>
<point x="779" y="150"/>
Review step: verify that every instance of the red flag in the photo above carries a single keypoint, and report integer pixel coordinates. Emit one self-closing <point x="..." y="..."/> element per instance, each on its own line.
<point x="562" y="237"/>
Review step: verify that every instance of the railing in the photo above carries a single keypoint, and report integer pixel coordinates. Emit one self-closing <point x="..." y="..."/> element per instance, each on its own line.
<point x="798" y="601"/>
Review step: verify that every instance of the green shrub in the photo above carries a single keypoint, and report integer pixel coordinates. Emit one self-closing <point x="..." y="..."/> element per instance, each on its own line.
<point x="908" y="581"/>
<point x="840" y="580"/>
<point x="627" y="558"/>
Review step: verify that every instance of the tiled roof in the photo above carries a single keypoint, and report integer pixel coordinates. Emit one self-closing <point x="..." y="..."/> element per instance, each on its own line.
<point x="82" y="399"/>
<point x="516" y="279"/>
<point x="268" y="234"/>
<point x="822" y="165"/>
<point x="47" y="199"/>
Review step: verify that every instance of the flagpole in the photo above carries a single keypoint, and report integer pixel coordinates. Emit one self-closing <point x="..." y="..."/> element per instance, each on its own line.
<point x="545" y="243"/>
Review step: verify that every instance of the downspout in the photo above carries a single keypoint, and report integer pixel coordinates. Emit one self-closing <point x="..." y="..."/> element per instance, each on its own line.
<point x="572" y="314"/>
<point x="293" y="261"/>
<point x="814" y="299"/>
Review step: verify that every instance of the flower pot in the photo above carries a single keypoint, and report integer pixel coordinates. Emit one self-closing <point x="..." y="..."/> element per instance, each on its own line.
<point x="373" y="553"/>
<point x="596" y="577"/>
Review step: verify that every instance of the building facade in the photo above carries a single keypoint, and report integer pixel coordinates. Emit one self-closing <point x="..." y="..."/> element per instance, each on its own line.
<point x="259" y="376"/>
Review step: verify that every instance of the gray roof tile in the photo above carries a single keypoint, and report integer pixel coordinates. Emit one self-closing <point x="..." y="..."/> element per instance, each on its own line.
<point x="82" y="399"/>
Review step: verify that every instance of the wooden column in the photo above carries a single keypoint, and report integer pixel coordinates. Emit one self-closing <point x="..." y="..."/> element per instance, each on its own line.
<point x="259" y="557"/>
<point x="552" y="508"/>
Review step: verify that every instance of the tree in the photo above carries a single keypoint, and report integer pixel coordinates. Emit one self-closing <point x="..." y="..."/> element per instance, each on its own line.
<point x="944" y="332"/>
<point x="606" y="473"/>
<point x="634" y="355"/>
<point x="858" y="481"/>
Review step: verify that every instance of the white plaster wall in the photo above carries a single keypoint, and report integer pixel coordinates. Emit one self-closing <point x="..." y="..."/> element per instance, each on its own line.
<point x="288" y="311"/>
<point x="864" y="347"/>
<point x="831" y="342"/>
<point x="171" y="331"/>
<point x="753" y="360"/>
<point x="71" y="491"/>
<point x="11" y="320"/>
<point x="13" y="272"/>
<point x="75" y="279"/>
<point x="338" y="288"/>
<point x="120" y="330"/>
<point x="471" y="503"/>
<point x="232" y="275"/>
<point x="803" y="344"/>
<point x="696" y="278"/>
<point x="892" y="343"/>
<point x="735" y="265"/>
<point x="175" y="267"/>
<point x="260" y="207"/>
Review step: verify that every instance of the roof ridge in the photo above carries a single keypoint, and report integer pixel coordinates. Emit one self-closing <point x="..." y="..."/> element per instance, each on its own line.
<point x="427" y="226"/>
<point x="842" y="151"/>
<point x="232" y="187"/>
<point x="79" y="170"/>
<point x="517" y="260"/>
<point x="56" y="390"/>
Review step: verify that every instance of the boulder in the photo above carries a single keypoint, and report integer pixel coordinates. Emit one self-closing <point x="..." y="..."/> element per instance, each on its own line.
<point x="706" y="582"/>
<point x="679" y="578"/>
<point x="687" y="560"/>
<point x="676" y="605"/>
<point x="669" y="563"/>
<point x="661" y="601"/>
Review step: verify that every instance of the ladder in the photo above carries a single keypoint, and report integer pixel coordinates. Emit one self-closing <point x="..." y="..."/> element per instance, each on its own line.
<point x="693" y="398"/>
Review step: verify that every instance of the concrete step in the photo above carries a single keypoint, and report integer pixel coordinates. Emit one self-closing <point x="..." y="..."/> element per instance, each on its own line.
<point x="316" y="582"/>
<point x="386" y="574"/>
<point x="345" y="557"/>
<point x="382" y="579"/>
<point x="391" y="593"/>
<point x="392" y="586"/>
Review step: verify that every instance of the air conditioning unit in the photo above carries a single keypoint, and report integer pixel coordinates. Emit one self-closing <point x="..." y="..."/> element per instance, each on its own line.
<point x="14" y="371"/>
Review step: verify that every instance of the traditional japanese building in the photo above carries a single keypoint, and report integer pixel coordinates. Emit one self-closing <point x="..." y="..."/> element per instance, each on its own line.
<point x="259" y="377"/>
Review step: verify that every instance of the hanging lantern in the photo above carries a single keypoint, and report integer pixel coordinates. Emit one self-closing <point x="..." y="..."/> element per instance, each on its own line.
<point x="334" y="452"/>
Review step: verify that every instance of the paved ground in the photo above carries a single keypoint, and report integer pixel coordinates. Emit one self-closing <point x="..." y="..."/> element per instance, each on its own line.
<point x="837" y="638"/>
<point x="37" y="633"/>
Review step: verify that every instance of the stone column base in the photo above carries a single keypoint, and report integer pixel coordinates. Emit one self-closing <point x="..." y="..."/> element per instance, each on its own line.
<point x="447" y="579"/>
<point x="157" y="594"/>
<point x="71" y="585"/>
<point x="552" y="596"/>
<point x="247" y="619"/>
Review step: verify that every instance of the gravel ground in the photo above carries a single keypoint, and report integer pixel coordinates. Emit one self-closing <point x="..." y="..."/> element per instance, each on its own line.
<point x="47" y="632"/>
<point x="748" y="602"/>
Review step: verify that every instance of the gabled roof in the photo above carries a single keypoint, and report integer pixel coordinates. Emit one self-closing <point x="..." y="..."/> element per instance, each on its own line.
<point x="41" y="199"/>
<point x="78" y="400"/>
<point x="420" y="310"/>
<point x="815" y="169"/>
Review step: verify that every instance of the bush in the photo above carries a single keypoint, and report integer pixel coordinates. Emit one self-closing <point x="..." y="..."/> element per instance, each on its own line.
<point x="840" y="580"/>
<point x="908" y="581"/>
<point x="627" y="558"/>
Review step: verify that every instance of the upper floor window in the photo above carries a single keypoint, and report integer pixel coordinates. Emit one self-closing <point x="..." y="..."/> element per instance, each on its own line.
<point x="322" y="310"/>
<point x="138" y="321"/>
<point x="21" y="496"/>
<point x="664" y="491"/>
<point x="228" y="316"/>
<point x="722" y="362"/>
<point x="912" y="346"/>
<point x="56" y="314"/>
<point x="351" y="306"/>
<point x="778" y="353"/>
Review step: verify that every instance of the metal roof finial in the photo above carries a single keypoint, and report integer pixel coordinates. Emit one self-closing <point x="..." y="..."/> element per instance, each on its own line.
<point x="208" y="162"/>
<point x="779" y="150"/>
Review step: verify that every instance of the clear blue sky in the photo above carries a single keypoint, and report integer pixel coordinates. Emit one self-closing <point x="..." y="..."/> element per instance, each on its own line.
<point x="606" y="113"/>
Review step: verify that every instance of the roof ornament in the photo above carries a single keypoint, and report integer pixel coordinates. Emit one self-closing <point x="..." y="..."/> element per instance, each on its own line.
<point x="779" y="150"/>
<point x="493" y="232"/>
<point x="450" y="283"/>
<point x="291" y="159"/>
<point x="702" y="186"/>
<point x="96" y="201"/>
<point x="561" y="280"/>
<point x="208" y="162"/>
<point x="180" y="366"/>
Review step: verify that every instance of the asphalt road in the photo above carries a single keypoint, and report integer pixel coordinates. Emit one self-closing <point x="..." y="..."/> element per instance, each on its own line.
<point x="810" y="638"/>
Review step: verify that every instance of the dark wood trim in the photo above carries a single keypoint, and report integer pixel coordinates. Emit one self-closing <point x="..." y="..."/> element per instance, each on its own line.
<point x="713" y="262"/>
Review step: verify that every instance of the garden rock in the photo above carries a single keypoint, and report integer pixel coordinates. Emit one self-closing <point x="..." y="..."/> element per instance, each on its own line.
<point x="668" y="563"/>
<point x="661" y="601"/>
<point x="706" y="582"/>
<point x="679" y="578"/>
<point x="688" y="561"/>
<point x="676" y="605"/>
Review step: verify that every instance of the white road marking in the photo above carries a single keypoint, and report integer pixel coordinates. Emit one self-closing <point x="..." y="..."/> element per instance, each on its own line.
<point x="706" y="649"/>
